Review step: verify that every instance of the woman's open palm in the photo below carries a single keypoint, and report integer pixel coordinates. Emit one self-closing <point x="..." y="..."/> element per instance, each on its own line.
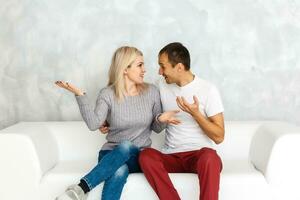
<point x="169" y="117"/>
<point x="69" y="87"/>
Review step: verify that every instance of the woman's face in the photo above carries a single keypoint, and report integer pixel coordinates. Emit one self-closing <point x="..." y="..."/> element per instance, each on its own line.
<point x="136" y="71"/>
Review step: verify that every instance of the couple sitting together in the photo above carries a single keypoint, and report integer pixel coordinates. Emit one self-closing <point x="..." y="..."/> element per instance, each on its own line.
<point x="188" y="108"/>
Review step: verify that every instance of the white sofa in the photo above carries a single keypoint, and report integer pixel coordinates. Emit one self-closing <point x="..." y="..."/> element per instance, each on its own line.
<point x="261" y="160"/>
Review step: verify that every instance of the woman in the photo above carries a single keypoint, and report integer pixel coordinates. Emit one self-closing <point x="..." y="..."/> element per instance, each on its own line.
<point x="132" y="108"/>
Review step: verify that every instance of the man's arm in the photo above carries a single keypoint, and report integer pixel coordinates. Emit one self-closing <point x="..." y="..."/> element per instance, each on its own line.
<point x="213" y="127"/>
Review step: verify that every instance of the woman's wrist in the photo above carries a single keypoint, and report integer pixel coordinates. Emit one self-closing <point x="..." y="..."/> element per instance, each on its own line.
<point x="158" y="117"/>
<point x="79" y="93"/>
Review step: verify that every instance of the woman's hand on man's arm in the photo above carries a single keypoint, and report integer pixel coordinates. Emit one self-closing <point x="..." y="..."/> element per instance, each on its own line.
<point x="104" y="128"/>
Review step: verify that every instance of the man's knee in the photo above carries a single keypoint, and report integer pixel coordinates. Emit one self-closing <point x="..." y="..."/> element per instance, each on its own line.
<point x="209" y="159"/>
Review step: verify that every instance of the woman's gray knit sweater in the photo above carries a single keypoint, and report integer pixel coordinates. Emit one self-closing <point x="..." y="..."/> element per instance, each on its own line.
<point x="131" y="119"/>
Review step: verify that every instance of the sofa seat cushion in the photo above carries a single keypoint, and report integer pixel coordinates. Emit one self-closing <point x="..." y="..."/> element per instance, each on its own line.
<point x="235" y="174"/>
<point x="238" y="176"/>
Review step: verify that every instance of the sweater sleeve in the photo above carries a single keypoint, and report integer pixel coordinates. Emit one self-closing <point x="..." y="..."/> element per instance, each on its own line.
<point x="157" y="126"/>
<point x="94" y="118"/>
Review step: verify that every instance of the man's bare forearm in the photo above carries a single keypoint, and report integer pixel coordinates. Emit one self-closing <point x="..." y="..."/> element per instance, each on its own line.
<point x="213" y="130"/>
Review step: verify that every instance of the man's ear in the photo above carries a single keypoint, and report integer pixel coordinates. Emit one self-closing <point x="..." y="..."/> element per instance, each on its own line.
<point x="125" y="71"/>
<point x="180" y="67"/>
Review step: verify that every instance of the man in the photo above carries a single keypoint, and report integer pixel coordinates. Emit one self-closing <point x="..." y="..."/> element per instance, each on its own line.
<point x="189" y="146"/>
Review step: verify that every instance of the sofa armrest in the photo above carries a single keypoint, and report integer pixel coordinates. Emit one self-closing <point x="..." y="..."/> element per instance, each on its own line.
<point x="275" y="151"/>
<point x="27" y="151"/>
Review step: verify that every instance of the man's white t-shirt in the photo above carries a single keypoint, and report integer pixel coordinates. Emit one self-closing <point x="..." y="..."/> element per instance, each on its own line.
<point x="188" y="135"/>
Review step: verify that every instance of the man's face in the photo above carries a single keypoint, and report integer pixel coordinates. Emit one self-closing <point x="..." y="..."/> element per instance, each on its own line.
<point x="166" y="69"/>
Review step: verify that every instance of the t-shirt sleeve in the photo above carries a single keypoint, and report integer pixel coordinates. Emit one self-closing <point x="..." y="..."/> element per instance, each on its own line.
<point x="214" y="103"/>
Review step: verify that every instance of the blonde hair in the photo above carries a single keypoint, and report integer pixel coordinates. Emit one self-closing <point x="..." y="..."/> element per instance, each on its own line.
<point x="122" y="59"/>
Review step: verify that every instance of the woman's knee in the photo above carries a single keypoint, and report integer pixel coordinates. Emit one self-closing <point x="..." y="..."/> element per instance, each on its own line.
<point x="128" y="147"/>
<point x="125" y="145"/>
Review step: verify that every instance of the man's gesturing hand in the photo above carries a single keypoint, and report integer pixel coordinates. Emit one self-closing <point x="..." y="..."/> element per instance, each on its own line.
<point x="186" y="107"/>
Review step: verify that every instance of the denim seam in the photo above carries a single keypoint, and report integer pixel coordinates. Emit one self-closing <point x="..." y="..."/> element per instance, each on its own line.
<point x="87" y="183"/>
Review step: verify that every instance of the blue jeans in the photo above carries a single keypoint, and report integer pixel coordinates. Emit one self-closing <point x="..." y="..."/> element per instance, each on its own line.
<point x="113" y="167"/>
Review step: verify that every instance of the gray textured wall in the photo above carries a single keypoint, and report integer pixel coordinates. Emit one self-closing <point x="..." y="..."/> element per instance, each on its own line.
<point x="249" y="49"/>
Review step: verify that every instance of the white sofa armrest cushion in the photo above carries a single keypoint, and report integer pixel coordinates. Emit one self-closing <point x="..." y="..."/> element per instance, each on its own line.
<point x="27" y="151"/>
<point x="275" y="152"/>
<point x="19" y="167"/>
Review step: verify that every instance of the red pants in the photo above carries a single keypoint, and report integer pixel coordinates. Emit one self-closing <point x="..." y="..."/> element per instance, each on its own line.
<point x="204" y="162"/>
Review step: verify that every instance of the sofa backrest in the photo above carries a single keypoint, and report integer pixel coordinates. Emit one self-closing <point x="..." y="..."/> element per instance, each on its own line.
<point x="75" y="141"/>
<point x="236" y="145"/>
<point x="238" y="137"/>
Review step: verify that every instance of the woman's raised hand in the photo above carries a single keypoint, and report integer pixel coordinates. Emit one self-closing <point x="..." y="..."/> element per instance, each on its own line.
<point x="69" y="87"/>
<point x="169" y="117"/>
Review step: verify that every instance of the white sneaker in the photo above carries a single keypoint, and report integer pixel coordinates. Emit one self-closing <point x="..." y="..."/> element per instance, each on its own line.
<point x="73" y="192"/>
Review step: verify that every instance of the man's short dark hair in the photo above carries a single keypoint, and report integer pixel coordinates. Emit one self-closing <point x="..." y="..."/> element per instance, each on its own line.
<point x="177" y="53"/>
